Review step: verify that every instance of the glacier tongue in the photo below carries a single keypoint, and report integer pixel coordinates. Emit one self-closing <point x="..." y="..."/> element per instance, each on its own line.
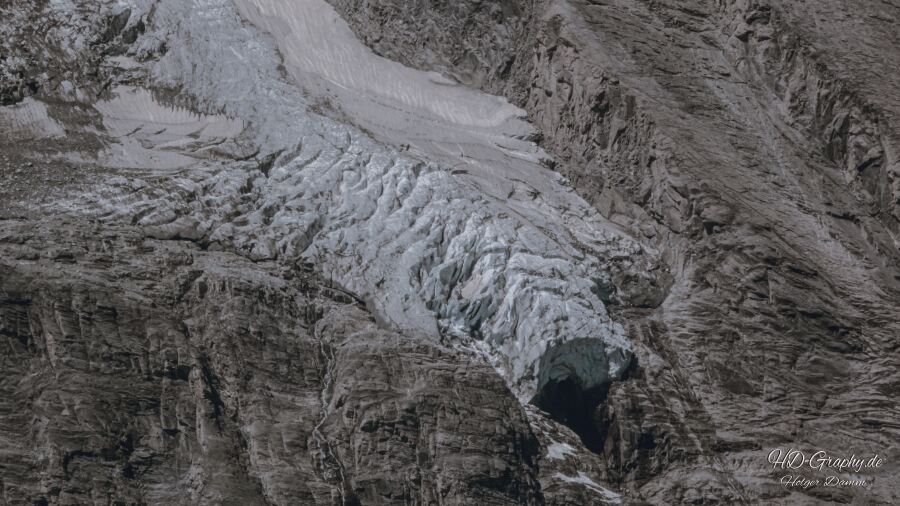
<point x="445" y="221"/>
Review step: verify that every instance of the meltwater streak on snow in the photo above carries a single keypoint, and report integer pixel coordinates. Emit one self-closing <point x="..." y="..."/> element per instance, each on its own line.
<point x="29" y="116"/>
<point x="420" y="243"/>
<point x="152" y="135"/>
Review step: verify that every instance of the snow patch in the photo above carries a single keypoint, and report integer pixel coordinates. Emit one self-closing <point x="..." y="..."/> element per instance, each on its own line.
<point x="582" y="479"/>
<point x="559" y="451"/>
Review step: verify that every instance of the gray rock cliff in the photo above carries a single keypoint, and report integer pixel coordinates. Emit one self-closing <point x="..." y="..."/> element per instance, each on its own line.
<point x="365" y="252"/>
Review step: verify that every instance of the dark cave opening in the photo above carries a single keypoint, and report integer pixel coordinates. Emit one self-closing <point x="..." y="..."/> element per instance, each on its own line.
<point x="567" y="402"/>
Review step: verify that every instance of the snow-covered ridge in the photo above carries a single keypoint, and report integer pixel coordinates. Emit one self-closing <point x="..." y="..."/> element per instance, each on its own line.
<point x="313" y="39"/>
<point x="499" y="254"/>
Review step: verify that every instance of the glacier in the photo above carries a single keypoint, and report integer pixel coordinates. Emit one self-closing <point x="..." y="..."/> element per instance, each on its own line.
<point x="447" y="222"/>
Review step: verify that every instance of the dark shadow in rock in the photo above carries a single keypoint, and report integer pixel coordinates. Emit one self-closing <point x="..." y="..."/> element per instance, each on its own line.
<point x="574" y="381"/>
<point x="570" y="404"/>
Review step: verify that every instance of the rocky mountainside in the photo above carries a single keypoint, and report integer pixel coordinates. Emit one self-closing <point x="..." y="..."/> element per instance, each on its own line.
<point x="365" y="252"/>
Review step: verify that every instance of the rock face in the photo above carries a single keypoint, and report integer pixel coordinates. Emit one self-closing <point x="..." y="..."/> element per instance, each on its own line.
<point x="753" y="144"/>
<point x="147" y="371"/>
<point x="555" y="252"/>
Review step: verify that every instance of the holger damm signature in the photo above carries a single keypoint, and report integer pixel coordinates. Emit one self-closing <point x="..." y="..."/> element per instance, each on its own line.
<point x="797" y="460"/>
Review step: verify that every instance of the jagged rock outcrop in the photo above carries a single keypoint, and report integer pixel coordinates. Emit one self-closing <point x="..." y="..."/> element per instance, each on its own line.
<point x="146" y="371"/>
